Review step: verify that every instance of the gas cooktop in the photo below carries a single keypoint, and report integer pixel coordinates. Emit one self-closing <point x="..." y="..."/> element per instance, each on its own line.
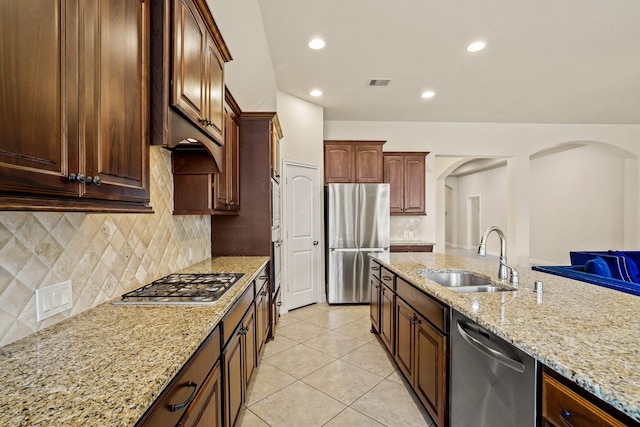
<point x="183" y="289"/>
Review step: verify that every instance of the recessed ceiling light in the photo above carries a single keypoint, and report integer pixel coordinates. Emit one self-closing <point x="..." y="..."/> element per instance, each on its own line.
<point x="428" y="94"/>
<point x="316" y="43"/>
<point x="476" y="46"/>
<point x="315" y="92"/>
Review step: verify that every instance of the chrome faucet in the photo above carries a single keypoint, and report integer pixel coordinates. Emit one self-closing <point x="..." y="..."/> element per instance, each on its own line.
<point x="503" y="269"/>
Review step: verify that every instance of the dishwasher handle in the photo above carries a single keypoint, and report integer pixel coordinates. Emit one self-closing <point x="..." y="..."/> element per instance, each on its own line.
<point x="473" y="337"/>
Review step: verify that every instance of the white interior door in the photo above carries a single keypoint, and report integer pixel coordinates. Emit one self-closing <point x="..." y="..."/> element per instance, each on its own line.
<point x="303" y="195"/>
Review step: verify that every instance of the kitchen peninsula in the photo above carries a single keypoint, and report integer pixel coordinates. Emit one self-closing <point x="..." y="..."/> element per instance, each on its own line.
<point x="588" y="334"/>
<point x="108" y="365"/>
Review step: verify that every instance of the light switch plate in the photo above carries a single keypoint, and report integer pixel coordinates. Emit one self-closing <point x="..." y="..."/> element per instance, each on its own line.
<point x="53" y="299"/>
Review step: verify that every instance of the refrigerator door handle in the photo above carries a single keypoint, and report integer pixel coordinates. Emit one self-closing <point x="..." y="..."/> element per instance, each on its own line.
<point x="374" y="249"/>
<point x="344" y="250"/>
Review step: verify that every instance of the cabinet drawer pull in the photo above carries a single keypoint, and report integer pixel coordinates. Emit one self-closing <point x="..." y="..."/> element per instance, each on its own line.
<point x="263" y="293"/>
<point x="279" y="304"/>
<point x="179" y="406"/>
<point x="263" y="277"/>
<point x="564" y="416"/>
<point x="375" y="268"/>
<point x="386" y="278"/>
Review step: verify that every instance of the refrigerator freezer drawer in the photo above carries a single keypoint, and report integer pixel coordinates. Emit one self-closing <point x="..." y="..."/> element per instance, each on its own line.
<point x="348" y="276"/>
<point x="343" y="276"/>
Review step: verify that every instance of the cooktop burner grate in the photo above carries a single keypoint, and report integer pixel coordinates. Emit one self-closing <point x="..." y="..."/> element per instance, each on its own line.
<point x="183" y="288"/>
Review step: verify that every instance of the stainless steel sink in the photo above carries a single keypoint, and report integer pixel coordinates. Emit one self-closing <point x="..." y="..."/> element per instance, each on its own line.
<point x="463" y="281"/>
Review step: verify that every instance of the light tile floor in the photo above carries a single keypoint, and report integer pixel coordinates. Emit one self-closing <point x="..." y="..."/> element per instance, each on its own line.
<point x="324" y="368"/>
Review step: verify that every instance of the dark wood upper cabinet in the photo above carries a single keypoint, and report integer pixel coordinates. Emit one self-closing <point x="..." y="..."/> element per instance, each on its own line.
<point x="405" y="173"/>
<point x="338" y="163"/>
<point x="86" y="116"/>
<point x="198" y="82"/>
<point x="226" y="186"/>
<point x="188" y="55"/>
<point x="353" y="162"/>
<point x="249" y="232"/>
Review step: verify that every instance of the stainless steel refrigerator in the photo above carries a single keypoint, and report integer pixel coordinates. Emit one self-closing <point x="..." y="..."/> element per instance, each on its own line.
<point x="357" y="224"/>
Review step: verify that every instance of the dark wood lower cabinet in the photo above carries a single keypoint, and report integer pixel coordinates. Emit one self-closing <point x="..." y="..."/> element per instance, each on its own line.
<point x="206" y="410"/>
<point x="405" y="342"/>
<point x="414" y="328"/>
<point x="185" y="395"/>
<point x="565" y="404"/>
<point x="430" y="371"/>
<point x="387" y="324"/>
<point x="411" y="248"/>
<point x="233" y="381"/>
<point x="262" y="317"/>
<point x="375" y="304"/>
<point x="239" y="361"/>
<point x="421" y="354"/>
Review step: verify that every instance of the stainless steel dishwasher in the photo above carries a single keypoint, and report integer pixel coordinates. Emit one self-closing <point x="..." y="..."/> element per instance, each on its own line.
<point x="493" y="384"/>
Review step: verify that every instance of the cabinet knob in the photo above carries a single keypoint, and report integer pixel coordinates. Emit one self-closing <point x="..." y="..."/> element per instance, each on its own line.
<point x="278" y="304"/>
<point x="315" y="243"/>
<point x="76" y="177"/>
<point x="93" y="180"/>
<point x="263" y="293"/>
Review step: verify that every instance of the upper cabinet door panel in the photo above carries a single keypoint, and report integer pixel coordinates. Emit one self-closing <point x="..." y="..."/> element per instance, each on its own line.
<point x="188" y="64"/>
<point x="405" y="172"/>
<point x="115" y="86"/>
<point x="34" y="134"/>
<point x="368" y="166"/>
<point x="414" y="178"/>
<point x="393" y="175"/>
<point x="338" y="163"/>
<point x="214" y="82"/>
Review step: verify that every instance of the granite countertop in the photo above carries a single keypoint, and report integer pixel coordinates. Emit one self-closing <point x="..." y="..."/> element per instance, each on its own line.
<point x="587" y="333"/>
<point x="107" y="365"/>
<point x="411" y="243"/>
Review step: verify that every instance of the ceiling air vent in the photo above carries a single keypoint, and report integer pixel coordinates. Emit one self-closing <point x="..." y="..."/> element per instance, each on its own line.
<point x="379" y="82"/>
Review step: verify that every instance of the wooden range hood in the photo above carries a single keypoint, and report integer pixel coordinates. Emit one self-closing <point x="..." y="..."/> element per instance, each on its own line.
<point x="187" y="95"/>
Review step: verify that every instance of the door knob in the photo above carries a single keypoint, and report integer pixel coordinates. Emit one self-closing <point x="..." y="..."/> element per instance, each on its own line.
<point x="315" y="243"/>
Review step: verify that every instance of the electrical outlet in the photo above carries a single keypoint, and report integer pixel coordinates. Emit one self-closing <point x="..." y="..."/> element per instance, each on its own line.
<point x="411" y="234"/>
<point x="53" y="299"/>
<point x="190" y="254"/>
<point x="406" y="234"/>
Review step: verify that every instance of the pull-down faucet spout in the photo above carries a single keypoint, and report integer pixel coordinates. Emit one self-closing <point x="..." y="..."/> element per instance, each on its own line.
<point x="503" y="269"/>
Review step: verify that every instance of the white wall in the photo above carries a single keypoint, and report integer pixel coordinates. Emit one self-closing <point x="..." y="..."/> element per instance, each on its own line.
<point x="301" y="124"/>
<point x="577" y="203"/>
<point x="491" y="187"/>
<point x="249" y="75"/>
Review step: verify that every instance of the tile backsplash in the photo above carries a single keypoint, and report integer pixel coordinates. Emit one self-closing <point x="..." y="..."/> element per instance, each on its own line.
<point x="104" y="255"/>
<point x="413" y="225"/>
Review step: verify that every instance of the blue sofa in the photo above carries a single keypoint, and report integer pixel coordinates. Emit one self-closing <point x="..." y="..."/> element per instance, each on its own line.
<point x="617" y="270"/>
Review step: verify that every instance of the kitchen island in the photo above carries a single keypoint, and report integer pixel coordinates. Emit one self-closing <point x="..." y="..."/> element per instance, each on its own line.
<point x="106" y="366"/>
<point x="588" y="334"/>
